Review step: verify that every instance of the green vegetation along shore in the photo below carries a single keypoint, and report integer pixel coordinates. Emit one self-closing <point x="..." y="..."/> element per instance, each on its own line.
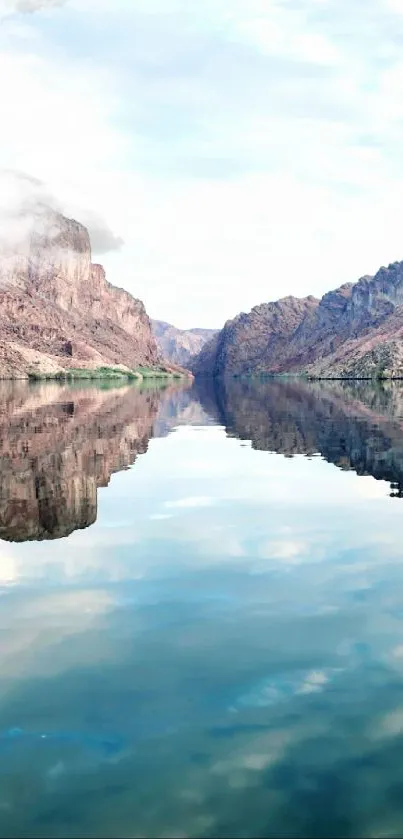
<point x="102" y="373"/>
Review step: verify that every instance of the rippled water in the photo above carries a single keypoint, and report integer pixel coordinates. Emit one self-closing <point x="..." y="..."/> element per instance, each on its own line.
<point x="210" y="642"/>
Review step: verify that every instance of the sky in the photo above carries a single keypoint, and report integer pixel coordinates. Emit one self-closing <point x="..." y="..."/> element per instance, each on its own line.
<point x="223" y="153"/>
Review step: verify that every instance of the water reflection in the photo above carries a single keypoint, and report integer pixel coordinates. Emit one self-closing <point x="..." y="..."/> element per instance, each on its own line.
<point x="221" y="652"/>
<point x="353" y="425"/>
<point x="58" y="445"/>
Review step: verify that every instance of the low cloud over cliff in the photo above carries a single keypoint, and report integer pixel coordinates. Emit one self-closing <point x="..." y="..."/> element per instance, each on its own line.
<point x="25" y="202"/>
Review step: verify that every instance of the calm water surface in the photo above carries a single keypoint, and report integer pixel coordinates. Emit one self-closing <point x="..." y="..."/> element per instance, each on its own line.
<point x="210" y="642"/>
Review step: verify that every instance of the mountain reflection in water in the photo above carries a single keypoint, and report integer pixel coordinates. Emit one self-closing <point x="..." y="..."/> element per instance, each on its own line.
<point x="356" y="426"/>
<point x="217" y="647"/>
<point x="58" y="445"/>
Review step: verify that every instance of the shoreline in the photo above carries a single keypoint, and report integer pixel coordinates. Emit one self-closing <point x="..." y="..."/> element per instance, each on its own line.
<point x="305" y="376"/>
<point x="99" y="374"/>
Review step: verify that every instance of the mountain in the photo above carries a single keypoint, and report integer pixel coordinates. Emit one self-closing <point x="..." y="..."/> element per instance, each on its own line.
<point x="355" y="331"/>
<point x="57" y="309"/>
<point x="179" y="345"/>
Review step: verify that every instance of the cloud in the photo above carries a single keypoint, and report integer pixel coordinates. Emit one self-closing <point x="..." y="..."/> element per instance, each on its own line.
<point x="395" y="6"/>
<point x="286" y="550"/>
<point x="391" y="725"/>
<point x="223" y="134"/>
<point x="25" y="202"/>
<point x="103" y="240"/>
<point x="191" y="502"/>
<point x="313" y="682"/>
<point x="80" y="610"/>
<point x="286" y="686"/>
<point x="30" y="6"/>
<point x="24" y="205"/>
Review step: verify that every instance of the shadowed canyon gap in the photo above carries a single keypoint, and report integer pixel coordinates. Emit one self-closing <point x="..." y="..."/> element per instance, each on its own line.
<point x="180" y="345"/>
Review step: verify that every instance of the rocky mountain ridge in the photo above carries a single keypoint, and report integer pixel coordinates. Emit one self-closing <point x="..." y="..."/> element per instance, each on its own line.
<point x="179" y="345"/>
<point x="58" y="311"/>
<point x="355" y="331"/>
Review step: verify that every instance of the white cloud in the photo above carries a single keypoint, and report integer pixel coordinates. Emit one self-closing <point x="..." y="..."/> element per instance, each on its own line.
<point x="191" y="502"/>
<point x="276" y="31"/>
<point x="394" y="6"/>
<point x="38" y="625"/>
<point x="242" y="150"/>
<point x="391" y="725"/>
<point x="23" y="203"/>
<point x="160" y="516"/>
<point x="286" y="686"/>
<point x="286" y="550"/>
<point x="314" y="682"/>
<point x="8" y="570"/>
<point x="24" y="206"/>
<point x="30" y="6"/>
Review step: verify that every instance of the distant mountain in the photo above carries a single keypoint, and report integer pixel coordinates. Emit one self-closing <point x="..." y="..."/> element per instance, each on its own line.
<point x="57" y="309"/>
<point x="355" y="331"/>
<point x="179" y="345"/>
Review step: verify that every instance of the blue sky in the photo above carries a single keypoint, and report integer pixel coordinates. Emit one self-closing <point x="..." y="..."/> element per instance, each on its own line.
<point x="242" y="149"/>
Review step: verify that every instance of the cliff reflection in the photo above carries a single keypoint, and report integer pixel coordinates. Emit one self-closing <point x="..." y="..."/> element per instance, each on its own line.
<point x="58" y="445"/>
<point x="356" y="426"/>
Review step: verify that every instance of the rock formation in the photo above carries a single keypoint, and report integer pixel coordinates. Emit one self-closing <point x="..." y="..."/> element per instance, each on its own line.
<point x="355" y="331"/>
<point x="58" y="311"/>
<point x="179" y="345"/>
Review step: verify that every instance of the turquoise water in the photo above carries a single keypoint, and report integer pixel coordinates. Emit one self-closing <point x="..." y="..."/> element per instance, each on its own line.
<point x="201" y="615"/>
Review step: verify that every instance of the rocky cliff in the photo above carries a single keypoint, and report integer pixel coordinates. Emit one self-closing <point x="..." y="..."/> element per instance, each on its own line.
<point x="58" y="311"/>
<point x="355" y="331"/>
<point x="179" y="345"/>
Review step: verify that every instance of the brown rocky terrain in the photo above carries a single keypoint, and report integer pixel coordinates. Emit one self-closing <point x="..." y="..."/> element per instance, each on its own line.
<point x="58" y="311"/>
<point x="58" y="445"/>
<point x="179" y="345"/>
<point x="355" y="331"/>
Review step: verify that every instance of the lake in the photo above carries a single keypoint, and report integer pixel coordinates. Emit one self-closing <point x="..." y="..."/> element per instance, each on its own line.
<point x="201" y="623"/>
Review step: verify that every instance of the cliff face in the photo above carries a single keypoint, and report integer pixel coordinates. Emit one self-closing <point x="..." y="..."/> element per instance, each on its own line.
<point x="57" y="310"/>
<point x="179" y="345"/>
<point x="355" y="331"/>
<point x="247" y="342"/>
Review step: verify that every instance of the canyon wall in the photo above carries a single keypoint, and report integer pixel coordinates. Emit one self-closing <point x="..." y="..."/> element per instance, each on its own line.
<point x="355" y="331"/>
<point x="58" y="311"/>
<point x="179" y="345"/>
